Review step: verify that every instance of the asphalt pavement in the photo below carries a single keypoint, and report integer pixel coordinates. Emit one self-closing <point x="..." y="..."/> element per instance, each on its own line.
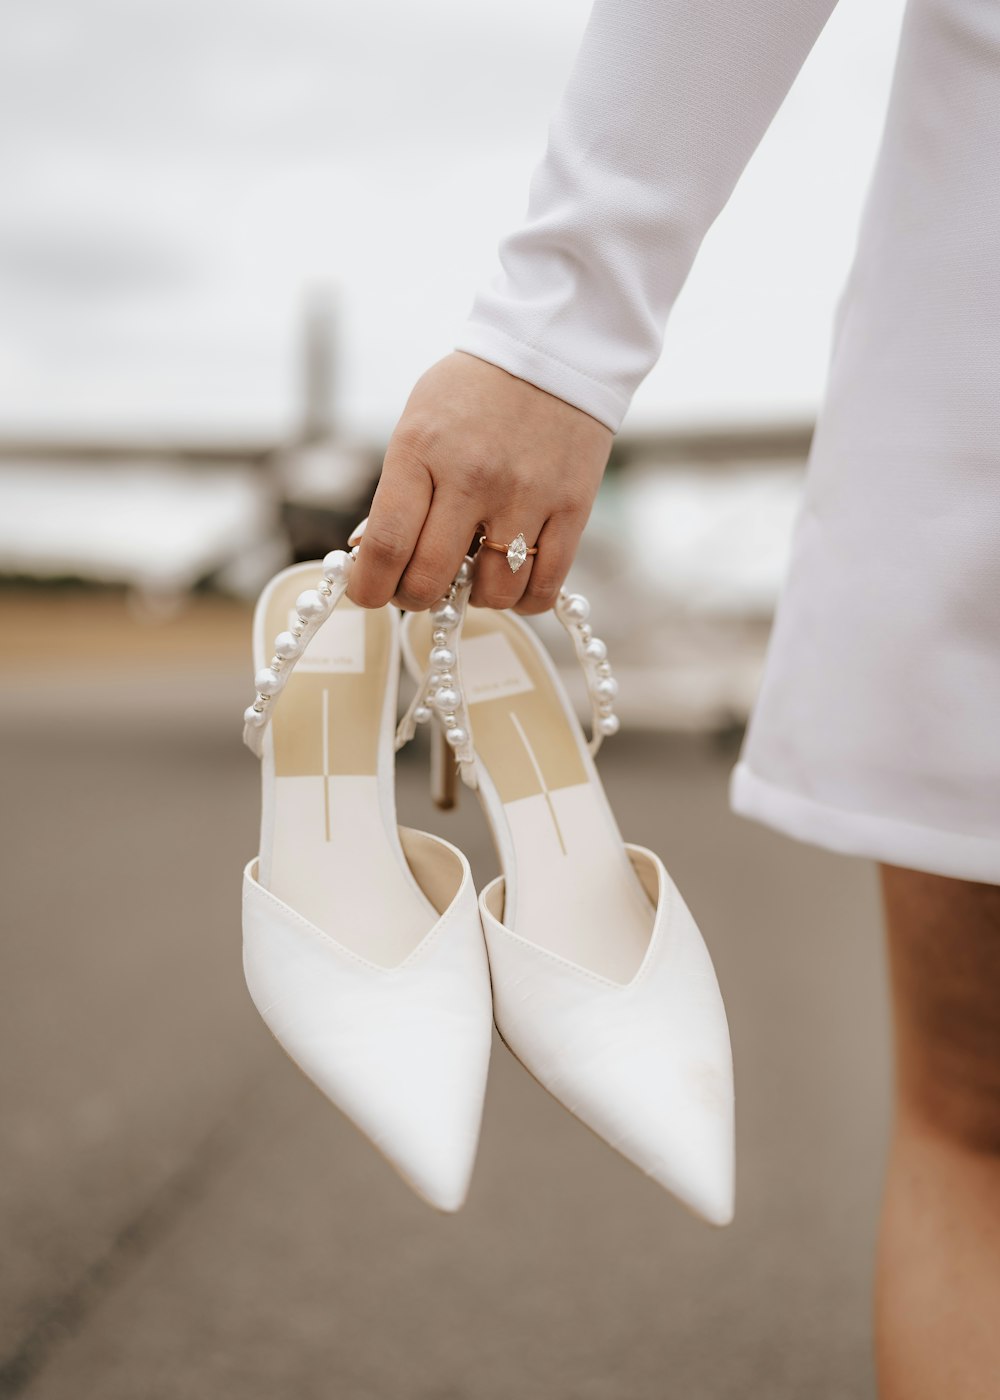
<point x="184" y="1216"/>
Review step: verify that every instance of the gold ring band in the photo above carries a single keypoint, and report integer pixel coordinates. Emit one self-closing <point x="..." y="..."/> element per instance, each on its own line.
<point x="517" y="551"/>
<point x="503" y="548"/>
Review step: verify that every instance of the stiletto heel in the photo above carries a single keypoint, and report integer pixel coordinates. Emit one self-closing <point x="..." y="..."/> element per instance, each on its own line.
<point x="602" y="984"/>
<point x="444" y="773"/>
<point x="362" y="944"/>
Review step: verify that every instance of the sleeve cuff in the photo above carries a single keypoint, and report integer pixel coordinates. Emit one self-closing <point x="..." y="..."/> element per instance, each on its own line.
<point x="541" y="369"/>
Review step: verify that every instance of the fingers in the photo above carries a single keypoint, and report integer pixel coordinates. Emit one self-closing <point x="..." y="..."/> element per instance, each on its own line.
<point x="416" y="537"/>
<point x="557" y="546"/>
<point x="397" y="516"/>
<point x="444" y="541"/>
<point x="474" y="444"/>
<point x="495" y="586"/>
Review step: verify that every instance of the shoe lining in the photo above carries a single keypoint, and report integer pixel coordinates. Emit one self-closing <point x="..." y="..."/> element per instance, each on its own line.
<point x="576" y="891"/>
<point x="333" y="849"/>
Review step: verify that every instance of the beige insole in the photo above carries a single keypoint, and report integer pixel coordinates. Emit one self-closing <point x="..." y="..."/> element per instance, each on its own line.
<point x="330" y="847"/>
<point x="576" y="892"/>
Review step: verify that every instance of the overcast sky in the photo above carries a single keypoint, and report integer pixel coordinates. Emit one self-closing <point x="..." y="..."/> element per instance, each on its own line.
<point x="176" y="172"/>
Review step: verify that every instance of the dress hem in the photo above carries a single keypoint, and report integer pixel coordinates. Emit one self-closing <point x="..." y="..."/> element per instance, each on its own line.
<point x="885" y="839"/>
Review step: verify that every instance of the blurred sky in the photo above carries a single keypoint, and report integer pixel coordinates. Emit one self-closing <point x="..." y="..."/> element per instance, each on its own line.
<point x="177" y="171"/>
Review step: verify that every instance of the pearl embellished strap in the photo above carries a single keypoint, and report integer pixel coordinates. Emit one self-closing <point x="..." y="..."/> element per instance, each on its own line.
<point x="573" y="610"/>
<point x="312" y="609"/>
<point x="441" y="688"/>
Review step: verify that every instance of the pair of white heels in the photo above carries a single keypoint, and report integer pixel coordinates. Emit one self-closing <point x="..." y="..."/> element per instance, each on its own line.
<point x="364" y="945"/>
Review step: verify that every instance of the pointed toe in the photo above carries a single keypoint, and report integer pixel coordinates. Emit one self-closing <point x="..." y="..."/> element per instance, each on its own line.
<point x="710" y="1185"/>
<point x="403" y="1052"/>
<point x="416" y="1091"/>
<point x="698" y="1168"/>
<point x="436" y="1159"/>
<point x="647" y="1065"/>
<point x="441" y="1180"/>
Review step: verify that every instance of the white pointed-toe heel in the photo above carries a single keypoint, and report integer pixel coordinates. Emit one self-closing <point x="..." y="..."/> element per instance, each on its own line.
<point x="362" y="943"/>
<point x="602" y="985"/>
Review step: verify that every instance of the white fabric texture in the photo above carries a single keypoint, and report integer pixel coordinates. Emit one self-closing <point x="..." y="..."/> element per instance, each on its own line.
<point x="665" y="105"/>
<point x="877" y="729"/>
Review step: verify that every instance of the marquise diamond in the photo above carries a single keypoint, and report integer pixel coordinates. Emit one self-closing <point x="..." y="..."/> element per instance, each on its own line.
<point x="517" y="553"/>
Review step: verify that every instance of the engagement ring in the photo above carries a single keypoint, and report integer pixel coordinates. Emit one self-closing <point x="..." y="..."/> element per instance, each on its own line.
<point x="517" y="551"/>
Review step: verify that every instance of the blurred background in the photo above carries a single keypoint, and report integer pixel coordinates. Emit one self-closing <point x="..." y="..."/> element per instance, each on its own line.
<point x="232" y="237"/>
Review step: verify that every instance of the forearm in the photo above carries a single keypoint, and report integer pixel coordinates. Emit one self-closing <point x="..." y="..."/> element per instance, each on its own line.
<point x="667" y="102"/>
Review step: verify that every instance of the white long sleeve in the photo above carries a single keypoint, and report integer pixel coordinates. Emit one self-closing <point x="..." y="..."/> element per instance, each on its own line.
<point x="666" y="103"/>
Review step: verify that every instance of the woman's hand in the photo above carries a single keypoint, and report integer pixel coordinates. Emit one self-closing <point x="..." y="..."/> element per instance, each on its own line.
<point x="476" y="445"/>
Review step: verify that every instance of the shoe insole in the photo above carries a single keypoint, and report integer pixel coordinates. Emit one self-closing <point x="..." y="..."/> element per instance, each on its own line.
<point x="329" y="843"/>
<point x="576" y="892"/>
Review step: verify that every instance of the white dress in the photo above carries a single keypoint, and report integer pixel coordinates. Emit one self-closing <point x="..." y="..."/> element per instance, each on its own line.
<point x="877" y="729"/>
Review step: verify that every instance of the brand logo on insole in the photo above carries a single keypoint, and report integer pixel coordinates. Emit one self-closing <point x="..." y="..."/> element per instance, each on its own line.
<point x="339" y="645"/>
<point x="491" y="669"/>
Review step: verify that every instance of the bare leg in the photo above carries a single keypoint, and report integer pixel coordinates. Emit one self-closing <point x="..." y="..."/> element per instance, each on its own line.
<point x="938" y="1271"/>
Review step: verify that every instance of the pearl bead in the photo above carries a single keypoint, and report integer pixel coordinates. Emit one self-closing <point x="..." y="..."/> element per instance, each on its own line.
<point x="442" y="658"/>
<point x="266" y="682"/>
<point x="576" y="608"/>
<point x="447" y="698"/>
<point x="464" y="573"/>
<point x="586" y="631"/>
<point x="456" y="736"/>
<point x="604" y="669"/>
<point x="310" y="604"/>
<point x="254" y="717"/>
<point x="422" y="714"/>
<point x="595" y="650"/>
<point x="446" y="615"/>
<point x="609" y="724"/>
<point x="337" y="565"/>
<point x="444" y="678"/>
<point x="286" y="646"/>
<point x="439" y="636"/>
<point x="606" y="688"/>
